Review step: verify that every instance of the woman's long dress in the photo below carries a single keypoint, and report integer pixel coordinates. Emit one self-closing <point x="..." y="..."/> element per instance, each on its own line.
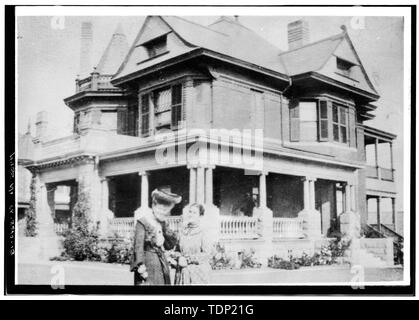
<point x="194" y="245"/>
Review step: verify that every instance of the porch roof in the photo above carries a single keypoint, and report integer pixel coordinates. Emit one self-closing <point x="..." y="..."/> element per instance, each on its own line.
<point x="373" y="133"/>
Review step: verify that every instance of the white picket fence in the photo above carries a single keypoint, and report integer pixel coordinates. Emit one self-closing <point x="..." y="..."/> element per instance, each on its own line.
<point x="288" y="228"/>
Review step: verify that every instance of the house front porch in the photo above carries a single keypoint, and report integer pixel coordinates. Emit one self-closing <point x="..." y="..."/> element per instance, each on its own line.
<point x="247" y="209"/>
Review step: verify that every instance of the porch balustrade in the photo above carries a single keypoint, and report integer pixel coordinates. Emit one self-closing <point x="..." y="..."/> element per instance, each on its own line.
<point x="60" y="228"/>
<point x="230" y="227"/>
<point x="387" y="174"/>
<point x="238" y="227"/>
<point x="288" y="228"/>
<point x="122" y="227"/>
<point x="175" y="223"/>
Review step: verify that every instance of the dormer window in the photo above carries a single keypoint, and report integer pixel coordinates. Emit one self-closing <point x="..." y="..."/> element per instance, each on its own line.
<point x="156" y="47"/>
<point x="344" y="66"/>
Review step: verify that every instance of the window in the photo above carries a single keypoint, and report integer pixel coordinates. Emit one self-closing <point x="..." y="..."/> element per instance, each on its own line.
<point x="344" y="66"/>
<point x="76" y="123"/>
<point x="156" y="47"/>
<point x="108" y="120"/>
<point x="177" y="110"/>
<point x="167" y="109"/>
<point x="340" y="123"/>
<point x="145" y="115"/>
<point x="308" y="120"/>
<point x="322" y="120"/>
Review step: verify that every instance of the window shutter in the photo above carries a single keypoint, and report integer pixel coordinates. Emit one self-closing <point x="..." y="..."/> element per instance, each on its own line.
<point x="122" y="121"/>
<point x="145" y="115"/>
<point x="177" y="113"/>
<point x="352" y="127"/>
<point x="323" y="125"/>
<point x="294" y="120"/>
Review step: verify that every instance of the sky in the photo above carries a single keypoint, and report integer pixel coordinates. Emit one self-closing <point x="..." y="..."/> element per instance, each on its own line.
<point x="48" y="62"/>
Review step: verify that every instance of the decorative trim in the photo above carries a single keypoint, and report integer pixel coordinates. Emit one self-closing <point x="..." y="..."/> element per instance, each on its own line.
<point x="80" y="159"/>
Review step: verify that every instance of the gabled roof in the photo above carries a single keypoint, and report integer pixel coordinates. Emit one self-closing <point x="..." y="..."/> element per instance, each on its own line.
<point x="310" y="57"/>
<point x="229" y="39"/>
<point x="314" y="56"/>
<point x="225" y="36"/>
<point x="114" y="54"/>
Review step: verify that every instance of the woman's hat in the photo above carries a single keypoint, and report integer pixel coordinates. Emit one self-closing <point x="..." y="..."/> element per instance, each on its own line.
<point x="165" y="195"/>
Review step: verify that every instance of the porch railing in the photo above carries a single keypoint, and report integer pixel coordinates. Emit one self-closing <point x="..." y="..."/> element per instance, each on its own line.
<point x="371" y="172"/>
<point x="122" y="227"/>
<point x="230" y="227"/>
<point x="288" y="228"/>
<point x="387" y="174"/>
<point x="60" y="228"/>
<point x="380" y="173"/>
<point x="175" y="223"/>
<point x="238" y="227"/>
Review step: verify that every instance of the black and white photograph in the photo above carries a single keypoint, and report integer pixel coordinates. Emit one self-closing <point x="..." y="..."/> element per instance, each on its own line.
<point x="203" y="147"/>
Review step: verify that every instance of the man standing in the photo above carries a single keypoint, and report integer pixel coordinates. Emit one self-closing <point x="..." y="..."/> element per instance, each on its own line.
<point x="152" y="237"/>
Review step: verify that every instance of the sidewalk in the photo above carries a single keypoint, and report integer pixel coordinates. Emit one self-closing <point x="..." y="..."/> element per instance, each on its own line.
<point x="96" y="273"/>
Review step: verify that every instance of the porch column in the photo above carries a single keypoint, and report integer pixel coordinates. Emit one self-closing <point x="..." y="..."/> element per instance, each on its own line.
<point x="106" y="213"/>
<point x="310" y="217"/>
<point x="306" y="196"/>
<point x="51" y="198"/>
<point x="144" y="206"/>
<point x="265" y="219"/>
<point x="209" y="186"/>
<point x="144" y="189"/>
<point x="350" y="219"/>
<point x="312" y="194"/>
<point x="347" y="197"/>
<point x="200" y="185"/>
<point x="353" y="197"/>
<point x="212" y="213"/>
<point x="393" y="213"/>
<point x="376" y="160"/>
<point x="262" y="190"/>
<point x="391" y="161"/>
<point x="379" y="213"/>
<point x="192" y="184"/>
<point x="49" y="241"/>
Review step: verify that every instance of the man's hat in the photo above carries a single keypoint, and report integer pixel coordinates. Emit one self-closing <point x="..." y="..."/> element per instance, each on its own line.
<point x="164" y="194"/>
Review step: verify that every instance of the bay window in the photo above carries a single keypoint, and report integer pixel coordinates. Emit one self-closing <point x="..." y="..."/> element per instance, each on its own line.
<point x="322" y="120"/>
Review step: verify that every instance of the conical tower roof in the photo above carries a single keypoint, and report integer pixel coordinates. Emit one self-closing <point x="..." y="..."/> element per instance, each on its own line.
<point x="114" y="54"/>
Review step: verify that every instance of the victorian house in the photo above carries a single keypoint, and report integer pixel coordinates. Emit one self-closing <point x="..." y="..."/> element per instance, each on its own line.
<point x="146" y="114"/>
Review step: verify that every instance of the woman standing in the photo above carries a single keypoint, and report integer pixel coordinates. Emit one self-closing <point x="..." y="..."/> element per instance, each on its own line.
<point x="152" y="238"/>
<point x="193" y="264"/>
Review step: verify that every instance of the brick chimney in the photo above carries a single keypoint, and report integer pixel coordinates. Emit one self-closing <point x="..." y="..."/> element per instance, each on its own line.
<point x="86" y="43"/>
<point x="298" y="34"/>
<point x="41" y="125"/>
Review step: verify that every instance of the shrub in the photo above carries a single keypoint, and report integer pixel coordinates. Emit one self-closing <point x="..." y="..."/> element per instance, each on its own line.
<point x="81" y="240"/>
<point x="221" y="260"/>
<point x="329" y="254"/>
<point x="281" y="263"/>
<point x="31" y="223"/>
<point x="248" y="260"/>
<point x="119" y="251"/>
